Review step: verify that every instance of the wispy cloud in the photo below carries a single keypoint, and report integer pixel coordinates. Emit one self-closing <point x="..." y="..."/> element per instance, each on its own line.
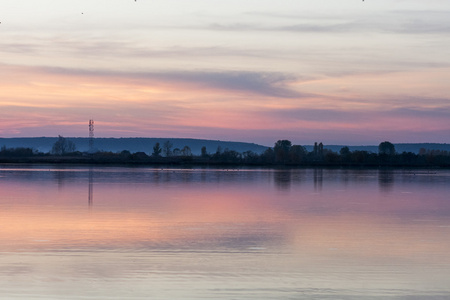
<point x="92" y="48"/>
<point x="361" y="116"/>
<point x="268" y="84"/>
<point x="398" y="22"/>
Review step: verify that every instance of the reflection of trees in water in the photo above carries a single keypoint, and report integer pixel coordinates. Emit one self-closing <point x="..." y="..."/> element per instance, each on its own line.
<point x="386" y="180"/>
<point x="345" y="177"/>
<point x="318" y="179"/>
<point x="203" y="176"/>
<point x="282" y="179"/>
<point x="59" y="177"/>
<point x="186" y="176"/>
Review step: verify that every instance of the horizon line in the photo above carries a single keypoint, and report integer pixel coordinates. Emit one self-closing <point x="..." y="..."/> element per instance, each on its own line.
<point x="216" y="140"/>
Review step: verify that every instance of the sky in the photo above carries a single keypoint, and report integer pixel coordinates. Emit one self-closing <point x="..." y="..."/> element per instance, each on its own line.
<point x="344" y="72"/>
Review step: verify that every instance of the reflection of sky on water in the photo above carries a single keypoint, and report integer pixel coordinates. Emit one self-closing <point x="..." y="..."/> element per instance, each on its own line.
<point x="284" y="230"/>
<point x="164" y="199"/>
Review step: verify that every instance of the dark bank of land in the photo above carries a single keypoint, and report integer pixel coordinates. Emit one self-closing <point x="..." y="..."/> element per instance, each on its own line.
<point x="282" y="154"/>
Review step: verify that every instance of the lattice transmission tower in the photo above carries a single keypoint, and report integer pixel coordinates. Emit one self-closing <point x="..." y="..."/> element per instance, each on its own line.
<point x="91" y="135"/>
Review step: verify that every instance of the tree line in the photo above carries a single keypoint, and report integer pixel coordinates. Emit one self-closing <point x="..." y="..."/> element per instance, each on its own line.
<point x="283" y="153"/>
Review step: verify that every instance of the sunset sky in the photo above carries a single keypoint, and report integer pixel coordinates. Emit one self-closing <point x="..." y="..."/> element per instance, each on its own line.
<point x="337" y="71"/>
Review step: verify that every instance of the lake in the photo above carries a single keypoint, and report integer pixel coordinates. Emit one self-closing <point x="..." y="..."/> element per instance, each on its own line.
<point x="72" y="232"/>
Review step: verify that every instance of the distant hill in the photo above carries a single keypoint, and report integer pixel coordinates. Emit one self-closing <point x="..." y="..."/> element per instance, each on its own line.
<point x="399" y="148"/>
<point x="416" y="147"/>
<point x="44" y="144"/>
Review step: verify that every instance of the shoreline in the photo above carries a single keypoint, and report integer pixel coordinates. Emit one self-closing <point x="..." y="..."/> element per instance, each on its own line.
<point x="202" y="162"/>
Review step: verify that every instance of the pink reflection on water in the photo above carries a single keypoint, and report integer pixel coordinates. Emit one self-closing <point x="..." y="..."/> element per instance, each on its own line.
<point x="288" y="230"/>
<point x="167" y="208"/>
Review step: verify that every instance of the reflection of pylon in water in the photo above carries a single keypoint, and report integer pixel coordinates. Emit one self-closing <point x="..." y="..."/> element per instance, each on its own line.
<point x="91" y="136"/>
<point x="91" y="187"/>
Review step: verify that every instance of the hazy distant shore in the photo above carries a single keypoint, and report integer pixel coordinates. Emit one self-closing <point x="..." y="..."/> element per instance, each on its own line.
<point x="45" y="144"/>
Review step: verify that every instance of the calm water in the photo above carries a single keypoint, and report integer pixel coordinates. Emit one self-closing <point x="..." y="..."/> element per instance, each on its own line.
<point x="144" y="233"/>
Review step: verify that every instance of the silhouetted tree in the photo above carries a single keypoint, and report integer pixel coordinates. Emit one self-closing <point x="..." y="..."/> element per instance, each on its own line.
<point x="59" y="147"/>
<point x="63" y="146"/>
<point x="250" y="157"/>
<point x="317" y="153"/>
<point x="359" y="157"/>
<point x="203" y="152"/>
<point x="386" y="152"/>
<point x="408" y="158"/>
<point x="281" y="150"/>
<point x="297" y="154"/>
<point x="176" y="152"/>
<point x="344" y="151"/>
<point x="219" y="150"/>
<point x="125" y="154"/>
<point x="345" y="154"/>
<point x="320" y="150"/>
<point x="167" y="148"/>
<point x="186" y="151"/>
<point x="138" y="156"/>
<point x="386" y="148"/>
<point x="330" y="157"/>
<point x="156" y="150"/>
<point x="268" y="156"/>
<point x="229" y="156"/>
